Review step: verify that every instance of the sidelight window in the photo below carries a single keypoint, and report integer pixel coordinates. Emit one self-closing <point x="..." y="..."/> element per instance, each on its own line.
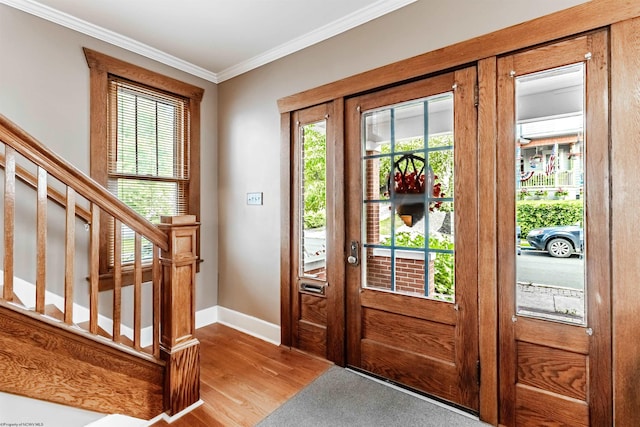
<point x="550" y="214"/>
<point x="313" y="176"/>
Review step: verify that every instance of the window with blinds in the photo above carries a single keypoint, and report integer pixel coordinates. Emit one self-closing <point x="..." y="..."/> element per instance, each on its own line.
<point x="148" y="155"/>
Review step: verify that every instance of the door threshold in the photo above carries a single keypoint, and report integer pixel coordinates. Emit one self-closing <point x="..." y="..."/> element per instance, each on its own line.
<point x="415" y="393"/>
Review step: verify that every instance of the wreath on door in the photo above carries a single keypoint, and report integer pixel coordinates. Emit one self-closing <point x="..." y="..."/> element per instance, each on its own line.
<point x="409" y="185"/>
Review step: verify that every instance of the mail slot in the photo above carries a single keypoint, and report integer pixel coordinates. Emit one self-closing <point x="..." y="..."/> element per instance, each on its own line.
<point x="312" y="288"/>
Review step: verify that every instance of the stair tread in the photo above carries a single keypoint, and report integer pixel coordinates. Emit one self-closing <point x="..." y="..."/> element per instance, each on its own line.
<point x="101" y="331"/>
<point x="15" y="300"/>
<point x="52" y="310"/>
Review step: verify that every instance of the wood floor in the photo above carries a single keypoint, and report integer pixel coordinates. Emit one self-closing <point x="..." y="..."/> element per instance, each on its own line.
<point x="243" y="379"/>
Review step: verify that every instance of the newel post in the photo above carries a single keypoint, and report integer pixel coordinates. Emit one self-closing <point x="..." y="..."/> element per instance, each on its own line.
<point x="178" y="346"/>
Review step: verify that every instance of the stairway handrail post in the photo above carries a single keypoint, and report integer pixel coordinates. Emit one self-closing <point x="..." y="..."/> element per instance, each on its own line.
<point x="178" y="345"/>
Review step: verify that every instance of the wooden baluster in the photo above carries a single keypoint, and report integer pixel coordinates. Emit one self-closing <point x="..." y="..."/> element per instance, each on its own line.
<point x="9" y="220"/>
<point x="94" y="271"/>
<point x="69" y="248"/>
<point x="156" y="281"/>
<point x="137" y="292"/>
<point x="41" y="252"/>
<point x="178" y="346"/>
<point x="117" y="278"/>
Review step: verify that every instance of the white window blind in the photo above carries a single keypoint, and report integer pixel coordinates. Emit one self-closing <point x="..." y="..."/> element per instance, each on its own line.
<point x="148" y="154"/>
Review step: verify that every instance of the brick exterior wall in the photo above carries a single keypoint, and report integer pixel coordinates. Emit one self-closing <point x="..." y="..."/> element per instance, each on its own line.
<point x="409" y="274"/>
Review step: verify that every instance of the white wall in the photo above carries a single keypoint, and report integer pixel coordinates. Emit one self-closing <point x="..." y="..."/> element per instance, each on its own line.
<point x="249" y="132"/>
<point x="44" y="88"/>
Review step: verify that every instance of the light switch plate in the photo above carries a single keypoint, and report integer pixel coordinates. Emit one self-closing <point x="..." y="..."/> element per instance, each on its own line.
<point x="254" y="198"/>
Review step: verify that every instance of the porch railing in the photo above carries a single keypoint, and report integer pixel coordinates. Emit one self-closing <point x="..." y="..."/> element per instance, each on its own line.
<point x="542" y="180"/>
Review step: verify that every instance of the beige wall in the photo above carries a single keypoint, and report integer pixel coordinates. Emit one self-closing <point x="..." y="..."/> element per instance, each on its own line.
<point x="44" y="88"/>
<point x="249" y="134"/>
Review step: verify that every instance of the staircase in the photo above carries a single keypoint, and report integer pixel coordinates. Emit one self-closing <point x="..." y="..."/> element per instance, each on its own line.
<point x="128" y="350"/>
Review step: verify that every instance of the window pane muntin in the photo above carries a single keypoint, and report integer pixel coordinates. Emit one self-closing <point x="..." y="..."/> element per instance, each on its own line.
<point x="403" y="253"/>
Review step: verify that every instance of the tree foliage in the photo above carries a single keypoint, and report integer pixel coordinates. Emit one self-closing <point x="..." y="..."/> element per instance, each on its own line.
<point x="314" y="176"/>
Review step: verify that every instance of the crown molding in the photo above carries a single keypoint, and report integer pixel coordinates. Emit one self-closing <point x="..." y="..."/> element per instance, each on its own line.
<point x="359" y="17"/>
<point x="84" y="27"/>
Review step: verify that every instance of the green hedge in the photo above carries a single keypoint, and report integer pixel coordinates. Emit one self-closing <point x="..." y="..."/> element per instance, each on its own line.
<point x="532" y="214"/>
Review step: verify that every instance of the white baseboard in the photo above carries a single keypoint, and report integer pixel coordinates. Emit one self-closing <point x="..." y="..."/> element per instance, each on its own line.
<point x="207" y="316"/>
<point x="242" y="322"/>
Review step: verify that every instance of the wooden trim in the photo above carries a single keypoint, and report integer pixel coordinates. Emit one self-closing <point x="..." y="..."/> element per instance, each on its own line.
<point x="336" y="236"/>
<point x="286" y="147"/>
<point x="93" y="269"/>
<point x="69" y="255"/>
<point x="625" y="202"/>
<point x="506" y="247"/>
<point x="9" y="221"/>
<point x="117" y="279"/>
<point x="41" y="232"/>
<point x="598" y="249"/>
<point x="584" y="17"/>
<point x="108" y="64"/>
<point x="465" y="124"/>
<point x="353" y="216"/>
<point x="194" y="167"/>
<point x="487" y="234"/>
<point x="137" y="292"/>
<point x="157" y="298"/>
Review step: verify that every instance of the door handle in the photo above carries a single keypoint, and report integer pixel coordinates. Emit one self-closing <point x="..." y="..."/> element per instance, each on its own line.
<point x="354" y="254"/>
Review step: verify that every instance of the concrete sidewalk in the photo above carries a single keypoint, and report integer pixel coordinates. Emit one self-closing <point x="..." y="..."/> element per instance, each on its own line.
<point x="563" y="304"/>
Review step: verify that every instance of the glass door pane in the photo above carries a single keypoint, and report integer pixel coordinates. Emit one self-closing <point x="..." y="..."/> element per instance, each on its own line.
<point x="549" y="150"/>
<point x="408" y="198"/>
<point x="313" y="176"/>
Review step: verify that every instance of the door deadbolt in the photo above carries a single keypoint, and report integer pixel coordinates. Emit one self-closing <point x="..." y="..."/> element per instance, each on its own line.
<point x="354" y="252"/>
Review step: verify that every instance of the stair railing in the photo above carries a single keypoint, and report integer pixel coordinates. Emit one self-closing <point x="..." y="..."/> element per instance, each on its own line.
<point x="173" y="263"/>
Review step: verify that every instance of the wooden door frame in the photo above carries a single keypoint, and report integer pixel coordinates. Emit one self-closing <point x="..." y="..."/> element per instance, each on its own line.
<point x="484" y="49"/>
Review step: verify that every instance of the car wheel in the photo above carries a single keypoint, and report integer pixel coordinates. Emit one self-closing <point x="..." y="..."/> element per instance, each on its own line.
<point x="559" y="248"/>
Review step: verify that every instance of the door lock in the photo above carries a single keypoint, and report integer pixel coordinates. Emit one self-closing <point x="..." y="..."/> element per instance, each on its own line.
<point x="353" y="257"/>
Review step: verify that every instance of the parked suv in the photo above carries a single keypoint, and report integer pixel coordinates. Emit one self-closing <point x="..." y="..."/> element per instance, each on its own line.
<point x="560" y="241"/>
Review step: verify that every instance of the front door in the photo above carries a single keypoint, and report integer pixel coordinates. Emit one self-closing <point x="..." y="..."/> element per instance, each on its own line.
<point x="411" y="228"/>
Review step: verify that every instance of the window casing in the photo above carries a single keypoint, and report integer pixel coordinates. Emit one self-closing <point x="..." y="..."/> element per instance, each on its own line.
<point x="145" y="144"/>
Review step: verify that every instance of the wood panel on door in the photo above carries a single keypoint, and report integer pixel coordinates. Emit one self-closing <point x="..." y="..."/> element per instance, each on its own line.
<point x="555" y="363"/>
<point x="407" y="331"/>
